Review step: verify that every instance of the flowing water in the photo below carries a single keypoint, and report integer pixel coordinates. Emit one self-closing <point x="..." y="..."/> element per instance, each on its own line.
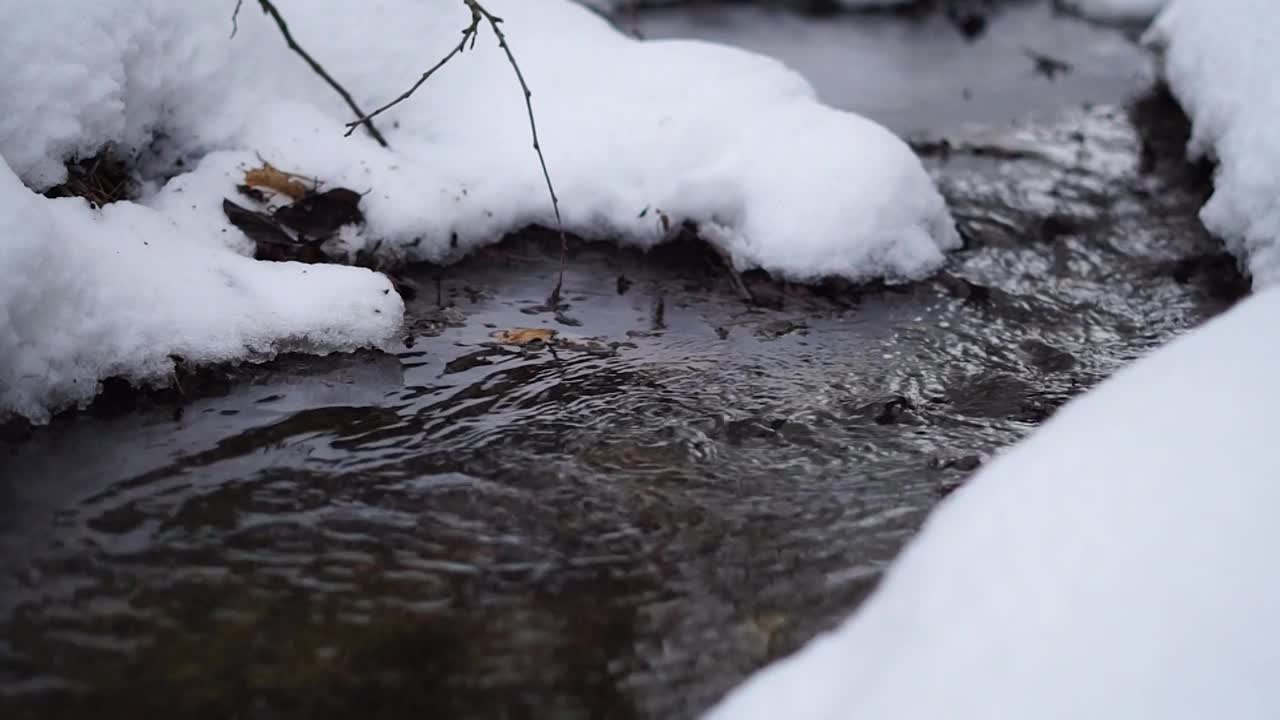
<point x="622" y="522"/>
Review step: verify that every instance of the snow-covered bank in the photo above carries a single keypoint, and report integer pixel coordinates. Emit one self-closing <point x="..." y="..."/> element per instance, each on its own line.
<point x="90" y="294"/>
<point x="639" y="137"/>
<point x="1117" y="564"/>
<point x="617" y="5"/>
<point x="731" y="141"/>
<point x="1114" y="10"/>
<point x="1219" y="59"/>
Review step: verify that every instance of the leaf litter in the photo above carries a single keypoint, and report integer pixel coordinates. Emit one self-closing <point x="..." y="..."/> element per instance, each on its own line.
<point x="297" y="230"/>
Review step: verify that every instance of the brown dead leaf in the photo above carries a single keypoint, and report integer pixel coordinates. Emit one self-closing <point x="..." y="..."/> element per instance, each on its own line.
<point x="524" y="336"/>
<point x="268" y="176"/>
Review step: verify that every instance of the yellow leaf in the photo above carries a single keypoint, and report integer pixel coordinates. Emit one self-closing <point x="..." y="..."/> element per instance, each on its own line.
<point x="271" y="178"/>
<point x="524" y="336"/>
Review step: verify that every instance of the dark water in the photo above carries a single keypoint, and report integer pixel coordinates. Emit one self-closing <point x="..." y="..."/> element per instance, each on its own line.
<point x="622" y="523"/>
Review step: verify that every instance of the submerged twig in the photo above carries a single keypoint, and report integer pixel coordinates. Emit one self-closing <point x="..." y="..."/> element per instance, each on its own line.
<point x="735" y="277"/>
<point x="469" y="34"/>
<point x="270" y="9"/>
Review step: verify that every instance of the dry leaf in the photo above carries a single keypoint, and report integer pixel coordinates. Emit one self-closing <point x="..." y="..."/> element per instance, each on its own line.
<point x="524" y="336"/>
<point x="271" y="178"/>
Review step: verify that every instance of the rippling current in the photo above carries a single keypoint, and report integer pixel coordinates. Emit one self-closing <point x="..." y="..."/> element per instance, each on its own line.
<point x="620" y="523"/>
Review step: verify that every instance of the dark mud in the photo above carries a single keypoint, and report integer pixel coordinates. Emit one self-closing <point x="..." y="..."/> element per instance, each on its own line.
<point x="622" y="522"/>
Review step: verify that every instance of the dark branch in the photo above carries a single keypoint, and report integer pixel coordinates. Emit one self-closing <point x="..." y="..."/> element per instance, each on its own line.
<point x="269" y="8"/>
<point x="495" y="24"/>
<point x="235" y="18"/>
<point x="469" y="34"/>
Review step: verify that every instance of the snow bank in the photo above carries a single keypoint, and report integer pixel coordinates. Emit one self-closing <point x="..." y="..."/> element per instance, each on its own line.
<point x="633" y="131"/>
<point x="88" y="294"/>
<point x="1220" y="59"/>
<point x="1117" y="564"/>
<point x="640" y="138"/>
<point x="1116" y="10"/>
<point x="616" y="5"/>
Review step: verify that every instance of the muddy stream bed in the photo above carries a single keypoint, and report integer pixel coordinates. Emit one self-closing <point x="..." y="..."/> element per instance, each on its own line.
<point x="681" y="487"/>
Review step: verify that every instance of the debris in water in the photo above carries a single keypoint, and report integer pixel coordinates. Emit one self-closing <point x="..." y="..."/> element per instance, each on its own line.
<point x="774" y="329"/>
<point x="524" y="336"/>
<point x="659" y="317"/>
<point x="1050" y="67"/>
<point x="564" y="319"/>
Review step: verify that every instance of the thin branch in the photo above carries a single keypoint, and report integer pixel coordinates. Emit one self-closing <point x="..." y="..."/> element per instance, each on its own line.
<point x="469" y="33"/>
<point x="495" y="24"/>
<point x="235" y="18"/>
<point x="270" y="9"/>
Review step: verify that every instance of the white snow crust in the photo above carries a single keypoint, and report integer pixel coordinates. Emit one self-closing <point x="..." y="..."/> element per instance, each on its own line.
<point x="1117" y="564"/>
<point x="1220" y="60"/>
<point x="89" y="294"/>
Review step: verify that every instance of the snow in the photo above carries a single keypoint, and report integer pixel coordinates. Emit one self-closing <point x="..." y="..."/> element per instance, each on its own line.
<point x="1219" y="57"/>
<point x="731" y="141"/>
<point x="90" y="294"/>
<point x="617" y="5"/>
<point x="1116" y="10"/>
<point x="640" y="138"/>
<point x="1117" y="564"/>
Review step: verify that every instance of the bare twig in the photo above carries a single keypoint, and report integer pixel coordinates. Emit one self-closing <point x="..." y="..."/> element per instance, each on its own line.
<point x="469" y="34"/>
<point x="235" y="18"/>
<point x="735" y="277"/>
<point x="270" y="9"/>
<point x="495" y="24"/>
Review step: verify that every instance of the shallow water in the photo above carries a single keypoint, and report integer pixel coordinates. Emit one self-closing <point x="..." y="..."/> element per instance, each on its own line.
<point x="622" y="523"/>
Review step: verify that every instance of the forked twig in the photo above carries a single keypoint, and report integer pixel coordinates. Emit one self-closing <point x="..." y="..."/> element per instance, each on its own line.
<point x="269" y="8"/>
<point x="469" y="34"/>
<point x="495" y="24"/>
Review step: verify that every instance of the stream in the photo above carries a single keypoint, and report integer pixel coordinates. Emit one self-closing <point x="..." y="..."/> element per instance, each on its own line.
<point x="680" y="487"/>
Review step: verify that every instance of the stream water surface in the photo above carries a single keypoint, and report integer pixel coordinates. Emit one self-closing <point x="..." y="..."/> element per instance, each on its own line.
<point x="681" y="487"/>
